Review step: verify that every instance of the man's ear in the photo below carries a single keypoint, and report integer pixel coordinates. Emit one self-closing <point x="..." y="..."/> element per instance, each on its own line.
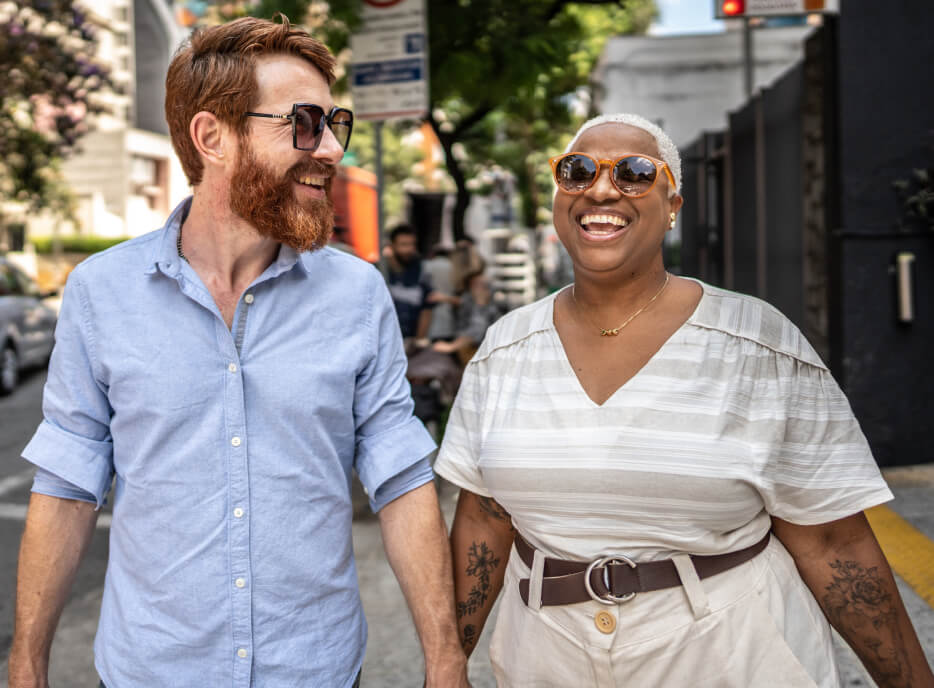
<point x="211" y="138"/>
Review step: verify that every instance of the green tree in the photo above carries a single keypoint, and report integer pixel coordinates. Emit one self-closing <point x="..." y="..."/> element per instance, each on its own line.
<point x="504" y="72"/>
<point x="46" y="96"/>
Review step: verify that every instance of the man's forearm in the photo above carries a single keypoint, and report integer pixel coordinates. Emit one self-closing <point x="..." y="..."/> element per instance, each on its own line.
<point x="851" y="580"/>
<point x="424" y="323"/>
<point x="416" y="544"/>
<point x="55" y="539"/>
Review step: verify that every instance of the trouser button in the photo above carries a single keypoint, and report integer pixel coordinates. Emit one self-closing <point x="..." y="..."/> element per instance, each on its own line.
<point x="605" y="622"/>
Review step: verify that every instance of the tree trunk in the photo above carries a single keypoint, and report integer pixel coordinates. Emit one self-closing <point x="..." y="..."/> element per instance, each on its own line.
<point x="447" y="141"/>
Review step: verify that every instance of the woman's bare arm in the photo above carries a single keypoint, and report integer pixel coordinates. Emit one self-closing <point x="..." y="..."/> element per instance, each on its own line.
<point x="481" y="539"/>
<point x="842" y="564"/>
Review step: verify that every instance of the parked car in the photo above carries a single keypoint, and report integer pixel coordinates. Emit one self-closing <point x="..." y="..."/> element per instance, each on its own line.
<point x="27" y="325"/>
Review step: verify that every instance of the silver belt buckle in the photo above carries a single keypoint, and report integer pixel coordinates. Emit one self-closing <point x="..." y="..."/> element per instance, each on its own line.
<point x="610" y="598"/>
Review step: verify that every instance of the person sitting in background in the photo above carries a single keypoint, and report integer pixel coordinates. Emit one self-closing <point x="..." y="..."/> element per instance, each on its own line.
<point x="474" y="315"/>
<point x="465" y="261"/>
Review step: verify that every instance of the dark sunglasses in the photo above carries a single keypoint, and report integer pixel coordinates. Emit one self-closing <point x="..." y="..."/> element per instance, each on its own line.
<point x="632" y="174"/>
<point x="308" y="122"/>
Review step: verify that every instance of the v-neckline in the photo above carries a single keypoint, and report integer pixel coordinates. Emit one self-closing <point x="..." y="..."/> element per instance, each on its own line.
<point x="553" y="329"/>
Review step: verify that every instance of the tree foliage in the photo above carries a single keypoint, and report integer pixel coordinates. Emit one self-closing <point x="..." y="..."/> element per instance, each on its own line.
<point x="46" y="95"/>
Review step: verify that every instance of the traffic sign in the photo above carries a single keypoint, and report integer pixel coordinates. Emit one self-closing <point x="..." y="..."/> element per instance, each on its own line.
<point x="389" y="62"/>
<point x="731" y="9"/>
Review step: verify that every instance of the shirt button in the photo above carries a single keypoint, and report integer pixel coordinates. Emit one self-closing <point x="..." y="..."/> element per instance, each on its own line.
<point x="232" y="367"/>
<point x="239" y="582"/>
<point x="238" y="512"/>
<point x="605" y="622"/>
<point x="248" y="298"/>
<point x="241" y="653"/>
<point x="235" y="441"/>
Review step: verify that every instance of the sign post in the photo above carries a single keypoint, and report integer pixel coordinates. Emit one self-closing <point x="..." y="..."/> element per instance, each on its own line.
<point x="389" y="69"/>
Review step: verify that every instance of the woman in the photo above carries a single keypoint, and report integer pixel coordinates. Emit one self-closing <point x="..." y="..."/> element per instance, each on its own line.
<point x="636" y="418"/>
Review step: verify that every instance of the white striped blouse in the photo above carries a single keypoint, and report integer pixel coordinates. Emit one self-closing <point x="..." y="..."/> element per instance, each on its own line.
<point x="734" y="419"/>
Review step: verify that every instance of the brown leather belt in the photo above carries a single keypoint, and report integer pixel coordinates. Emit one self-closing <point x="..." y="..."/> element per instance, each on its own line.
<point x="614" y="579"/>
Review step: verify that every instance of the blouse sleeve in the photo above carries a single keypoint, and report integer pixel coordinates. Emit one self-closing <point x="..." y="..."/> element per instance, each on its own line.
<point x="821" y="468"/>
<point x="458" y="460"/>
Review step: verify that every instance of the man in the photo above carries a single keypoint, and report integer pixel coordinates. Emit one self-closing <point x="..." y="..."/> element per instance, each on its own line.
<point x="230" y="377"/>
<point x="410" y="284"/>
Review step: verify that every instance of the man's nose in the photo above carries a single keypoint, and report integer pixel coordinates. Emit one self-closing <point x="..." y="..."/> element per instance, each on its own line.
<point x="329" y="150"/>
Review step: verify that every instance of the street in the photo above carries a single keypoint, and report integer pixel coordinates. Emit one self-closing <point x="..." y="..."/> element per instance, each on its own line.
<point x="393" y="654"/>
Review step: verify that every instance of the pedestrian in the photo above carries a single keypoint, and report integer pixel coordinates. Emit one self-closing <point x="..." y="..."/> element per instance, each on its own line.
<point x="439" y="268"/>
<point x="410" y="285"/>
<point x="228" y="372"/>
<point x="682" y="479"/>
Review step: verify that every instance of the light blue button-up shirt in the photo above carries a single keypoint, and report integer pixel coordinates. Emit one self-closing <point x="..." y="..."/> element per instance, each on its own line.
<point x="231" y="560"/>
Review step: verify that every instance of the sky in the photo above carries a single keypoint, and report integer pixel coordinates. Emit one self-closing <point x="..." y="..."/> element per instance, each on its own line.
<point x="685" y="16"/>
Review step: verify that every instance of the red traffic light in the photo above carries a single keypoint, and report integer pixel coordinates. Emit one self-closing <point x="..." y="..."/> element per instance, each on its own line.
<point x="733" y="8"/>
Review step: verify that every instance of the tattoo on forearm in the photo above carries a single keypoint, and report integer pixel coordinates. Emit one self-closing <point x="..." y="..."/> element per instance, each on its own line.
<point x="492" y="508"/>
<point x="470" y="637"/>
<point x="860" y="605"/>
<point x="481" y="562"/>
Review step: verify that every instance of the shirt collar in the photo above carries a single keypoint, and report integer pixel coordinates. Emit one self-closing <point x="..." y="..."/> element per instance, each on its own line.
<point x="165" y="254"/>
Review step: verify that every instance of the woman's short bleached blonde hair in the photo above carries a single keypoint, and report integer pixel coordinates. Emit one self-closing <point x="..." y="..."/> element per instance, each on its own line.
<point x="667" y="150"/>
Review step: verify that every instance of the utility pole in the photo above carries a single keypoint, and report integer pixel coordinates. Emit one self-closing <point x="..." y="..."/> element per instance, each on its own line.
<point x="378" y="143"/>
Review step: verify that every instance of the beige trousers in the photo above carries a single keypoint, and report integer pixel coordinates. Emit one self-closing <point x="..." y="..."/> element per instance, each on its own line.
<point x="755" y="626"/>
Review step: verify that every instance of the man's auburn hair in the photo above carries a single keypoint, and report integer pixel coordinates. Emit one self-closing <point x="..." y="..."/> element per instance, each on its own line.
<point x="215" y="71"/>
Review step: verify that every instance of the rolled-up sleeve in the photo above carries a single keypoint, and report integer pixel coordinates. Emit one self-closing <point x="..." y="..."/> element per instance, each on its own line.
<point x="389" y="439"/>
<point x="51" y="485"/>
<point x="73" y="441"/>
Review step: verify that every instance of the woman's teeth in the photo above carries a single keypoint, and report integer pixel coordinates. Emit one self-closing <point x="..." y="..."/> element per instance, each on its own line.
<point x="603" y="225"/>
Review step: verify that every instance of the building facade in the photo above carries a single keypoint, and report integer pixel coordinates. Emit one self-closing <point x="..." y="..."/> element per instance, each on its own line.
<point x="126" y="176"/>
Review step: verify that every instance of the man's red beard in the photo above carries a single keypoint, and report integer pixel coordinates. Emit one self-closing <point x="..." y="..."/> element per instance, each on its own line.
<point x="270" y="206"/>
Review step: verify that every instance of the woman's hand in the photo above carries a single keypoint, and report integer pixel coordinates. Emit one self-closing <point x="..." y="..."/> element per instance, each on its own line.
<point x="481" y="539"/>
<point x="842" y="564"/>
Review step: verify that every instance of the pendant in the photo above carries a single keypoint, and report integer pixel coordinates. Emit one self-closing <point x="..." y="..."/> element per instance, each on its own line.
<point x="609" y="333"/>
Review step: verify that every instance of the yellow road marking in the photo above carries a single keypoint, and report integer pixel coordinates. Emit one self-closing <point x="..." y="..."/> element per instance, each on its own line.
<point x="909" y="551"/>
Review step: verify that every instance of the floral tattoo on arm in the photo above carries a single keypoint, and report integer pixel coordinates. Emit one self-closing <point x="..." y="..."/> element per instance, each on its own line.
<point x="860" y="605"/>
<point x="481" y="562"/>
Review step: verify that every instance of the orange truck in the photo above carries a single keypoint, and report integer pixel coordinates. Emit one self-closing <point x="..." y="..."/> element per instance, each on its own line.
<point x="356" y="215"/>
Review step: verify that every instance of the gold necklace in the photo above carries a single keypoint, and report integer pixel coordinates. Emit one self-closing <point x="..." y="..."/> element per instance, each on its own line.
<point x="612" y="332"/>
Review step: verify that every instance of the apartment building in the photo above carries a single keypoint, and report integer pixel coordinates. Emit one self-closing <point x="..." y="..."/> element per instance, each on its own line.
<point x="126" y="177"/>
